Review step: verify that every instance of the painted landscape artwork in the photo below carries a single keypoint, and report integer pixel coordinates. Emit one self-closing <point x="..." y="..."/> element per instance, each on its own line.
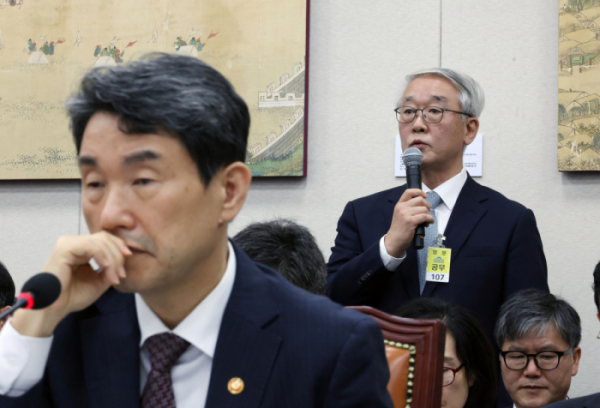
<point x="579" y="85"/>
<point x="46" y="46"/>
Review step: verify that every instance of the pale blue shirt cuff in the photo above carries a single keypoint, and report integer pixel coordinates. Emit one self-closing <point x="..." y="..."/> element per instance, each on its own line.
<point x="22" y="360"/>
<point x="390" y="263"/>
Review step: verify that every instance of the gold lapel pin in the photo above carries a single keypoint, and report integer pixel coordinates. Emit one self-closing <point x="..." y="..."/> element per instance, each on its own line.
<point x="235" y="385"/>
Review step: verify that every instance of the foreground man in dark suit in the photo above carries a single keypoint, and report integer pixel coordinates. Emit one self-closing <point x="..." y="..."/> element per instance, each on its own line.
<point x="589" y="401"/>
<point x="496" y="247"/>
<point x="193" y="322"/>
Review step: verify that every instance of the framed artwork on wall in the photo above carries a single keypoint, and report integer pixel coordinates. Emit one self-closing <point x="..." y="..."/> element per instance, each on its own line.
<point x="45" y="48"/>
<point x="579" y="85"/>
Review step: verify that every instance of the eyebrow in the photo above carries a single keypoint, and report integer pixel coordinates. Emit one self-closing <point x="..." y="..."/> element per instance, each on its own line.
<point x="135" y="158"/>
<point x="140" y="157"/>
<point x="436" y="97"/>
<point x="549" y="347"/>
<point x="87" y="161"/>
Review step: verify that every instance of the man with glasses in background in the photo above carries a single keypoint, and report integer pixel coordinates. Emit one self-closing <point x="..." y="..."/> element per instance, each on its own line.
<point x="589" y="401"/>
<point x="539" y="337"/>
<point x="495" y="246"/>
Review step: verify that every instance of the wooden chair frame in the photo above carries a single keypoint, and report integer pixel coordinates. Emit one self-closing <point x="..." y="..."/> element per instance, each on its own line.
<point x="425" y="339"/>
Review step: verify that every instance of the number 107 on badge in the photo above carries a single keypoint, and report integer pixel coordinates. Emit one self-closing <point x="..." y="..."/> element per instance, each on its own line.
<point x="438" y="264"/>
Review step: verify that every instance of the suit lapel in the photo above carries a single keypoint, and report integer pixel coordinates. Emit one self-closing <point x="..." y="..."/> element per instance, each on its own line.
<point x="110" y="344"/>
<point x="466" y="214"/>
<point x="244" y="348"/>
<point x="387" y="209"/>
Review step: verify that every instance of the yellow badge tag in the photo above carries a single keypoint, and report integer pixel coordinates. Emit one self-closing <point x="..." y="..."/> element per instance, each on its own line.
<point x="438" y="264"/>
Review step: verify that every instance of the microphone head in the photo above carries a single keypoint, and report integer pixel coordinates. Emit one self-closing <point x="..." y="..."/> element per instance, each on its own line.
<point x="412" y="157"/>
<point x="45" y="287"/>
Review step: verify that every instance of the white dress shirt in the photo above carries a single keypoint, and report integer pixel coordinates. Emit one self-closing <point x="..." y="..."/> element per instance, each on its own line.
<point x="448" y="192"/>
<point x="23" y="359"/>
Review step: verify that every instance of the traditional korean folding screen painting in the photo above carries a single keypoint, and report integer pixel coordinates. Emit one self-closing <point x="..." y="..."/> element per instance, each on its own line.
<point x="47" y="45"/>
<point x="579" y="85"/>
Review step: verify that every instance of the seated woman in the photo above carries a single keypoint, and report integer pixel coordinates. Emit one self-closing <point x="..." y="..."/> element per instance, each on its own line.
<point x="470" y="373"/>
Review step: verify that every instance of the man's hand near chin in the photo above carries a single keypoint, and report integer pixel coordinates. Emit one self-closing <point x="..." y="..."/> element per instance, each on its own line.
<point x="81" y="285"/>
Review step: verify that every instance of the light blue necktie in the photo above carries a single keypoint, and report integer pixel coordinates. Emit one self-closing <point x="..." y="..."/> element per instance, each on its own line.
<point x="431" y="233"/>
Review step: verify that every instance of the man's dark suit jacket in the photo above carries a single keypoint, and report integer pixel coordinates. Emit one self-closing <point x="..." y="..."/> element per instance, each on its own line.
<point x="291" y="349"/>
<point x="589" y="401"/>
<point x="496" y="251"/>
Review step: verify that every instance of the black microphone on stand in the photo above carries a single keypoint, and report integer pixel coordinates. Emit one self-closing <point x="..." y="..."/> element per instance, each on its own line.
<point x="412" y="158"/>
<point x="38" y="292"/>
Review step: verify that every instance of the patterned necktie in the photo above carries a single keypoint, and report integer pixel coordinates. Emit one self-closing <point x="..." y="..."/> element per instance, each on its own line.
<point x="431" y="233"/>
<point x="164" y="350"/>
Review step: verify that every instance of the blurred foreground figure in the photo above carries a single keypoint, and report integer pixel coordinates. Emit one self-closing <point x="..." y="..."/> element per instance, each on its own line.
<point x="288" y="248"/>
<point x="178" y="315"/>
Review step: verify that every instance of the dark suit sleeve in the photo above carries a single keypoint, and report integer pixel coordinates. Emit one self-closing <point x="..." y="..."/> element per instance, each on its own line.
<point x="525" y="264"/>
<point x="361" y="373"/>
<point x="355" y="275"/>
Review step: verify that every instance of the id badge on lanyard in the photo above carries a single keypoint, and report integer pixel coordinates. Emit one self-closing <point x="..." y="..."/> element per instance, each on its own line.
<point x="438" y="262"/>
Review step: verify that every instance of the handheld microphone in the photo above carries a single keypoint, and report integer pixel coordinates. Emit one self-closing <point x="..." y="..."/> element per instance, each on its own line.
<point x="412" y="158"/>
<point x="38" y="292"/>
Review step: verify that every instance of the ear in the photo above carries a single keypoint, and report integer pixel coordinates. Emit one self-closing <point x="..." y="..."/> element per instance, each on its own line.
<point x="576" y="358"/>
<point x="471" y="128"/>
<point x="471" y="380"/>
<point x="235" y="180"/>
<point x="598" y="316"/>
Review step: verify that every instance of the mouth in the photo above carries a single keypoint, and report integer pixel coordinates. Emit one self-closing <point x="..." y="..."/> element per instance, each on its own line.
<point x="418" y="143"/>
<point x="136" y="250"/>
<point x="533" y="388"/>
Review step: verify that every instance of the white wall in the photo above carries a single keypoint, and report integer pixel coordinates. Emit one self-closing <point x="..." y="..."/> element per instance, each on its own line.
<point x="359" y="55"/>
<point x="32" y="215"/>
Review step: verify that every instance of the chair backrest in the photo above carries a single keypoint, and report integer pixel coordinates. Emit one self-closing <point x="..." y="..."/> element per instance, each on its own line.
<point x="415" y="354"/>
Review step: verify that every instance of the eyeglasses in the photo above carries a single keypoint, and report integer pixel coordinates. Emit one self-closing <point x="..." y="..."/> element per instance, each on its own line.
<point x="430" y="114"/>
<point x="449" y="375"/>
<point x="544" y="360"/>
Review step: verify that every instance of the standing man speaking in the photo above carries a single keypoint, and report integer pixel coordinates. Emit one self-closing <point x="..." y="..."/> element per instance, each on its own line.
<point x="495" y="247"/>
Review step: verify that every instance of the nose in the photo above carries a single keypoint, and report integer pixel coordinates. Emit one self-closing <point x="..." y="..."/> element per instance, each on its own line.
<point x="531" y="369"/>
<point x="116" y="212"/>
<point x="419" y="125"/>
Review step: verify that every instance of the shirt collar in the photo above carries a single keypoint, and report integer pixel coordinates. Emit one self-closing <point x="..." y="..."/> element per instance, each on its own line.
<point x="201" y="327"/>
<point x="450" y="189"/>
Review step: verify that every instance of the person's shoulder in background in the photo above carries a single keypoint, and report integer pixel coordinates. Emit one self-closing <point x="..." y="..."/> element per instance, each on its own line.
<point x="589" y="401"/>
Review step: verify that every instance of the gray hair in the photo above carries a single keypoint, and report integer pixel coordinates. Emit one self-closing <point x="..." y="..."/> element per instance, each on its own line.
<point x="470" y="93"/>
<point x="532" y="312"/>
<point x="168" y="94"/>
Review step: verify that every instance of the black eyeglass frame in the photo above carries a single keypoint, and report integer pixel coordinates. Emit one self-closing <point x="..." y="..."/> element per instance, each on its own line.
<point x="559" y="354"/>
<point x="454" y="371"/>
<point x="424" y="116"/>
